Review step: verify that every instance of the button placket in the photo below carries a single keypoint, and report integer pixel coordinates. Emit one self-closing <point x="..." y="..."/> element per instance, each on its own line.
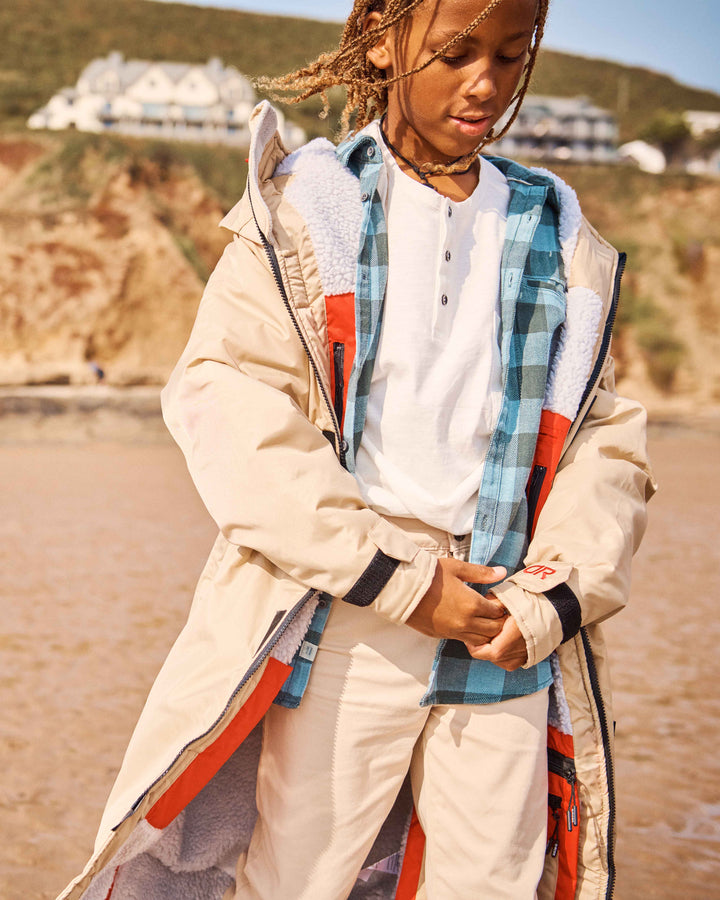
<point x="447" y="256"/>
<point x="443" y="274"/>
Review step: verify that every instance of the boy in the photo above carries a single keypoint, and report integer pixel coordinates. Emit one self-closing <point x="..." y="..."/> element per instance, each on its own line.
<point x="373" y="431"/>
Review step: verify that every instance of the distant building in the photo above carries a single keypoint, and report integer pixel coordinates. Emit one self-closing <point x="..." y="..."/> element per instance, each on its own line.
<point x="700" y="122"/>
<point x="170" y="100"/>
<point x="561" y="128"/>
<point x="646" y="157"/>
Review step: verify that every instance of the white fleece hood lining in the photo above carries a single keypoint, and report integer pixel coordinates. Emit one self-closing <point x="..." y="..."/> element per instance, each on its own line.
<point x="327" y="196"/>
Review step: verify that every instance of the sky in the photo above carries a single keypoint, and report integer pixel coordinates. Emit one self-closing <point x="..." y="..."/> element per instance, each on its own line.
<point x="678" y="38"/>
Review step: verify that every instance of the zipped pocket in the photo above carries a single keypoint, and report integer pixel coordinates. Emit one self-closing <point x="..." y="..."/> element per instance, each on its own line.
<point x="537" y="479"/>
<point x="563" y="822"/>
<point x="338" y="380"/>
<point x="562" y="805"/>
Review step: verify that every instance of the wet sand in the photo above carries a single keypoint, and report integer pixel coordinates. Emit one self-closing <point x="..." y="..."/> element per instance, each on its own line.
<point x="100" y="548"/>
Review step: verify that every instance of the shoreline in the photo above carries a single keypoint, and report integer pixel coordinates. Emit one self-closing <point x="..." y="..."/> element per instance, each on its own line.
<point x="101" y="412"/>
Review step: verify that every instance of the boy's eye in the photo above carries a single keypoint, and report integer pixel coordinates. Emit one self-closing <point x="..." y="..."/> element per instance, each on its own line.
<point x="450" y="60"/>
<point x="511" y="57"/>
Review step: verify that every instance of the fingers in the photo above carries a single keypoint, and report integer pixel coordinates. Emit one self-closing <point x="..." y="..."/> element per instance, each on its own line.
<point x="451" y="609"/>
<point x="484" y="629"/>
<point x="473" y="573"/>
<point x="508" y="650"/>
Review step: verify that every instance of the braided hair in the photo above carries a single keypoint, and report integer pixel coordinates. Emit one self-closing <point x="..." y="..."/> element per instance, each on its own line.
<point x="367" y="86"/>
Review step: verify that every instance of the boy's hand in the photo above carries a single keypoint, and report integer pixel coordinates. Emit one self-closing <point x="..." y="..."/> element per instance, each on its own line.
<point x="508" y="650"/>
<point x="450" y="609"/>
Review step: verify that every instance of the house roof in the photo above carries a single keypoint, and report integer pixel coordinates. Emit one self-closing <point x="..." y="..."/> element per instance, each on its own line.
<point x="129" y="71"/>
<point x="564" y="107"/>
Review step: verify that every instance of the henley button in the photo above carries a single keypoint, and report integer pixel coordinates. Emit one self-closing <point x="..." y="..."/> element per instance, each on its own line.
<point x="448" y="255"/>
<point x="365" y="197"/>
<point x="449" y="212"/>
<point x="344" y="446"/>
<point x="370" y="152"/>
<point x="444" y="300"/>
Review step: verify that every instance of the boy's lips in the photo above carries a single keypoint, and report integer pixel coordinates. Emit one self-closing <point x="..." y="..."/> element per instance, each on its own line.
<point x="472" y="126"/>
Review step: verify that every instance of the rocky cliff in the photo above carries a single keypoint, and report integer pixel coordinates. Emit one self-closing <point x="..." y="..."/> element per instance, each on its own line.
<point x="105" y="246"/>
<point x="101" y="266"/>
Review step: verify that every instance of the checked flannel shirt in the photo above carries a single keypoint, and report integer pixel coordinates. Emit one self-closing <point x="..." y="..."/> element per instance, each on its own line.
<point x="532" y="289"/>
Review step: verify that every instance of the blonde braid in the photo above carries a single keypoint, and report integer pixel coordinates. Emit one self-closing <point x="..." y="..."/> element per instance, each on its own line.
<point x="367" y="86"/>
<point x="462" y="164"/>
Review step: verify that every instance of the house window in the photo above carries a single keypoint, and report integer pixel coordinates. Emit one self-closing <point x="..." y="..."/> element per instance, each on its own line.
<point x="194" y="114"/>
<point x="155" y="111"/>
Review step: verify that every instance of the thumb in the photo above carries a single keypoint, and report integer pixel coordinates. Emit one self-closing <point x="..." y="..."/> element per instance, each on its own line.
<point x="476" y="574"/>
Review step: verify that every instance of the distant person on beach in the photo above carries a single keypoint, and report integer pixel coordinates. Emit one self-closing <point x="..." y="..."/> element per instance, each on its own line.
<point x="398" y="405"/>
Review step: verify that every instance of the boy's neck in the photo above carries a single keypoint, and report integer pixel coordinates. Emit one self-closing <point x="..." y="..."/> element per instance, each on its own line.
<point x="455" y="187"/>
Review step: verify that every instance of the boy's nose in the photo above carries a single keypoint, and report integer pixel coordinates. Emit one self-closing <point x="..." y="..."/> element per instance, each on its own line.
<point x="482" y="85"/>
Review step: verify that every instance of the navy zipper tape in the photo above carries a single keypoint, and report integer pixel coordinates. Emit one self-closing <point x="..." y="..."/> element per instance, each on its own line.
<point x="609" y="325"/>
<point x="536" y="482"/>
<point x="340" y="447"/>
<point x="609" y="768"/>
<point x="339" y="370"/>
<point x="561" y="765"/>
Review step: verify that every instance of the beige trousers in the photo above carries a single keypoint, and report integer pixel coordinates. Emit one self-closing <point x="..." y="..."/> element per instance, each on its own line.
<point x="331" y="770"/>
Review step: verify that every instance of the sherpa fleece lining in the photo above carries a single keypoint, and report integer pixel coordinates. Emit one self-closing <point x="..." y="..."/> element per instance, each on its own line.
<point x="327" y="196"/>
<point x="191" y="857"/>
<point x="558" y="708"/>
<point x="573" y="359"/>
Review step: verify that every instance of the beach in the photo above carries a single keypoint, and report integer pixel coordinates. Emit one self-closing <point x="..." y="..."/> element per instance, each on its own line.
<point x="101" y="544"/>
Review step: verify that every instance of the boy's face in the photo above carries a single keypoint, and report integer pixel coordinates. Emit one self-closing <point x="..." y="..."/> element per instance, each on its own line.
<point x="446" y="110"/>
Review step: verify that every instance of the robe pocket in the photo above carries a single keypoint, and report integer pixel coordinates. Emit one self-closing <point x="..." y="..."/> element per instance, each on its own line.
<point x="393" y="542"/>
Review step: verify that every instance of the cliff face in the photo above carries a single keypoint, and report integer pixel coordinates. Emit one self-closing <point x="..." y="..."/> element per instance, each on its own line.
<point x="98" y="268"/>
<point x="667" y="336"/>
<point x="104" y="251"/>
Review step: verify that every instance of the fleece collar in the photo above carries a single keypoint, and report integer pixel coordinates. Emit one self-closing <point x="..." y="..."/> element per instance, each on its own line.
<point x="324" y="189"/>
<point x="316" y="159"/>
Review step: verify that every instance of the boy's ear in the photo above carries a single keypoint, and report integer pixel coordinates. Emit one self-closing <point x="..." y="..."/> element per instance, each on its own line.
<point x="380" y="53"/>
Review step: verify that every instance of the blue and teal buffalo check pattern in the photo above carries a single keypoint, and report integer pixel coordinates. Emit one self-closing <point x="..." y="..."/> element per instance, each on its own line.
<point x="532" y="309"/>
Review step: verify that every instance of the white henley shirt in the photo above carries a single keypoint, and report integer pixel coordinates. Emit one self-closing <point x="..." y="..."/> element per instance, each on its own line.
<point x="436" y="387"/>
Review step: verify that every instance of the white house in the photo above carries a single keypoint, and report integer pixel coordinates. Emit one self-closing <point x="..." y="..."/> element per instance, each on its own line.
<point x="170" y="100"/>
<point x="700" y="122"/>
<point x="561" y="128"/>
<point x="643" y="155"/>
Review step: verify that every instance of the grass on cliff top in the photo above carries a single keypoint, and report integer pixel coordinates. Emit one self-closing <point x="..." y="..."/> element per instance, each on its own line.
<point x="46" y="44"/>
<point x="81" y="163"/>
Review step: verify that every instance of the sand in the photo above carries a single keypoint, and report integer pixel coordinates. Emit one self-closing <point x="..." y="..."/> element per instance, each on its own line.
<point x="100" y="548"/>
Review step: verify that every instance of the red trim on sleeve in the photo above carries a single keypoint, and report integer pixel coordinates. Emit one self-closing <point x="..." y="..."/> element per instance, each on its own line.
<point x="207" y="763"/>
<point x="112" y="886"/>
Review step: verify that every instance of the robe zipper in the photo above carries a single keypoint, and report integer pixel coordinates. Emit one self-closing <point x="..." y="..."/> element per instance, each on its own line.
<point x="340" y="443"/>
<point x="609" y="766"/>
<point x="607" y="335"/>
